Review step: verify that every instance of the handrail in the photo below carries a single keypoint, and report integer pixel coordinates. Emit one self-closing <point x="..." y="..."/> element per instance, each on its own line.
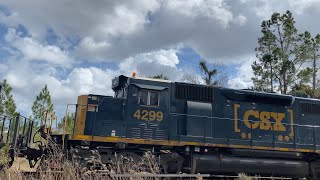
<point x="294" y="141"/>
<point x="65" y="122"/>
<point x="65" y="125"/>
<point x="87" y="105"/>
<point x="222" y="118"/>
<point x="64" y="128"/>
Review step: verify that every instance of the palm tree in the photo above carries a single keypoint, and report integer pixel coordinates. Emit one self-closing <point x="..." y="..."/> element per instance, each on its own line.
<point x="208" y="73"/>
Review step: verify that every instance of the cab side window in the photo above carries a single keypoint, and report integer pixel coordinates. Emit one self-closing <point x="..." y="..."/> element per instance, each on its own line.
<point x="149" y="98"/>
<point x="143" y="98"/>
<point x="154" y="98"/>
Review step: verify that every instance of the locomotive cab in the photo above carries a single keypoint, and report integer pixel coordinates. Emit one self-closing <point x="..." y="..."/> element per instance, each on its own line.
<point x="137" y="110"/>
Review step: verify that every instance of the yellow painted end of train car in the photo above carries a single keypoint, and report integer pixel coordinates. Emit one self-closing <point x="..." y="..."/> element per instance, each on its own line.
<point x="81" y="114"/>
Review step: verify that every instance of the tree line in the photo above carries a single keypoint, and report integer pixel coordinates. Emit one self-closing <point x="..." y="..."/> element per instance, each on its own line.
<point x="287" y="59"/>
<point x="42" y="107"/>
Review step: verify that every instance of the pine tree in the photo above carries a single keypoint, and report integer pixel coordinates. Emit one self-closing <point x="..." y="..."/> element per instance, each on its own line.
<point x="7" y="104"/>
<point x="312" y="46"/>
<point x="69" y="121"/>
<point x="281" y="54"/>
<point x="42" y="105"/>
<point x="264" y="73"/>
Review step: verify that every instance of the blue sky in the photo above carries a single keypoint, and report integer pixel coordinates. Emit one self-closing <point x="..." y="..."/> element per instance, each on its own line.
<point x="77" y="47"/>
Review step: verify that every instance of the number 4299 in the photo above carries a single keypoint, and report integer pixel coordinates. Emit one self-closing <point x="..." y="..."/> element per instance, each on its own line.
<point x="148" y="115"/>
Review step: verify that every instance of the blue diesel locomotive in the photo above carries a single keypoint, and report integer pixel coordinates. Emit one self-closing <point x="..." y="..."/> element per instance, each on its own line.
<point x="201" y="129"/>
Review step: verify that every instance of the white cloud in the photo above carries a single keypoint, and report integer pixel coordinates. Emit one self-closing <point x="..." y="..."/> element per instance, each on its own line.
<point x="27" y="78"/>
<point x="242" y="78"/>
<point x="302" y="6"/>
<point x="142" y="36"/>
<point x="33" y="50"/>
<point x="163" y="57"/>
<point x="111" y="31"/>
<point x="3" y="68"/>
<point x="99" y="19"/>
<point x="116" y="30"/>
<point x="153" y="63"/>
<point x="91" y="49"/>
<point x="241" y="20"/>
<point x="90" y="80"/>
<point x="216" y="10"/>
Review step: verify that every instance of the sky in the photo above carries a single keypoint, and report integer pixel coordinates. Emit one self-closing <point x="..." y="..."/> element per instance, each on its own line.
<point x="78" y="47"/>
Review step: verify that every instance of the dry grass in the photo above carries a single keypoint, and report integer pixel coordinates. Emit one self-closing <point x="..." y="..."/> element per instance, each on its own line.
<point x="4" y="155"/>
<point x="55" y="167"/>
<point x="242" y="176"/>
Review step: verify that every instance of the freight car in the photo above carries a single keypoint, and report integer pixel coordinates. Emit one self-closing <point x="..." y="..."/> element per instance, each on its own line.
<point x="197" y="129"/>
<point x="201" y="129"/>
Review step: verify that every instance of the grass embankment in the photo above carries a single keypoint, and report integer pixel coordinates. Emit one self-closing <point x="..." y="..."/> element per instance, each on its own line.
<point x="55" y="167"/>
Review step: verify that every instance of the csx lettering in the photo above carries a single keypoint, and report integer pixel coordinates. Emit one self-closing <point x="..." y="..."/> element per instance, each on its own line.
<point x="264" y="118"/>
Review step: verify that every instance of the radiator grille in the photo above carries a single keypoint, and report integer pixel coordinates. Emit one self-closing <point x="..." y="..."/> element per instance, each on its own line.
<point x="310" y="108"/>
<point x="148" y="131"/>
<point x="193" y="92"/>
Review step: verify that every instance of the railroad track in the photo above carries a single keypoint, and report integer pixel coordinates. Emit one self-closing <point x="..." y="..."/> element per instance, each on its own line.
<point x="101" y="174"/>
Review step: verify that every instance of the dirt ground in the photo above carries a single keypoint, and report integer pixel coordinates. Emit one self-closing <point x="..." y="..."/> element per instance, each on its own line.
<point x="20" y="164"/>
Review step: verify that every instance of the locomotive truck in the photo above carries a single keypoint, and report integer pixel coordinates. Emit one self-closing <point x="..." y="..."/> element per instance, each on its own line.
<point x="199" y="129"/>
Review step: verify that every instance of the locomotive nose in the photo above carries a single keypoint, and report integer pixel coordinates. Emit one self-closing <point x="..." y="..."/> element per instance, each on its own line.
<point x="99" y="116"/>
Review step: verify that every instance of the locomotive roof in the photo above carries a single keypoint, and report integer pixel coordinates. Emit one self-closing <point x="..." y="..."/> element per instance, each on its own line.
<point x="237" y="91"/>
<point x="152" y="79"/>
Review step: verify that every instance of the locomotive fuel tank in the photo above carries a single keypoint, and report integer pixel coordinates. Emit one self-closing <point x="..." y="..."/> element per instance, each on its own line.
<point x="226" y="164"/>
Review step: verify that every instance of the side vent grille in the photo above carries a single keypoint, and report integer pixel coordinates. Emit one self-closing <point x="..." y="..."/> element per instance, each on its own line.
<point x="193" y="92"/>
<point x="310" y="108"/>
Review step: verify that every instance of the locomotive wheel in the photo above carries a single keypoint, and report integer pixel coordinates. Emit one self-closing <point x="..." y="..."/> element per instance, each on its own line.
<point x="107" y="157"/>
<point x="128" y="157"/>
<point x="94" y="164"/>
<point x="33" y="162"/>
<point x="171" y="162"/>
